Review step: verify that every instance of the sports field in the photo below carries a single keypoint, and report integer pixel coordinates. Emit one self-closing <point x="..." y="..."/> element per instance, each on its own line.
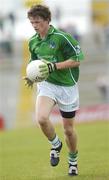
<point x="24" y="154"/>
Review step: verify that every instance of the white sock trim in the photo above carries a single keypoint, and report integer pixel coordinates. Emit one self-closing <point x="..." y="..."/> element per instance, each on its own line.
<point x="56" y="142"/>
<point x="73" y="162"/>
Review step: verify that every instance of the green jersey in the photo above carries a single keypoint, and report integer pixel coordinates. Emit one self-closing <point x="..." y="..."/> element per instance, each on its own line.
<point x="57" y="47"/>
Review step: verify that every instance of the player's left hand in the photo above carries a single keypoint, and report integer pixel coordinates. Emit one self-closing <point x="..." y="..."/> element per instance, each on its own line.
<point x="28" y="82"/>
<point x="47" y="68"/>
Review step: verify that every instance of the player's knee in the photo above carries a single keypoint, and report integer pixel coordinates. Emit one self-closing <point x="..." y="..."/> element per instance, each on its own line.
<point x="42" y="120"/>
<point x="68" y="132"/>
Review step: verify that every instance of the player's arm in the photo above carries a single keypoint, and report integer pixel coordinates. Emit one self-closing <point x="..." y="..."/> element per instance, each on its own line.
<point x="72" y="54"/>
<point x="28" y="82"/>
<point x="50" y="67"/>
<point x="67" y="64"/>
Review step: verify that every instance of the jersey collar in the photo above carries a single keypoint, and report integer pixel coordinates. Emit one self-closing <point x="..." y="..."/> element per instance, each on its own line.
<point x="50" y="31"/>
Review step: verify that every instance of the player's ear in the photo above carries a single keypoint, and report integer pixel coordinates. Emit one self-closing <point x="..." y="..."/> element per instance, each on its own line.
<point x="48" y="20"/>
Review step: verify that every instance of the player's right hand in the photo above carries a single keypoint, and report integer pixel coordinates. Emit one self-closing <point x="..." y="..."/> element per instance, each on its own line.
<point x="28" y="82"/>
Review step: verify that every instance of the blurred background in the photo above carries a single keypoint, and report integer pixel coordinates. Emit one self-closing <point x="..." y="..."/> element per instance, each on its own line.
<point x="88" y="22"/>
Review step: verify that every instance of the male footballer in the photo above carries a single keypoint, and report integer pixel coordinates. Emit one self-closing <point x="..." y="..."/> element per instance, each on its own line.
<point x="62" y="55"/>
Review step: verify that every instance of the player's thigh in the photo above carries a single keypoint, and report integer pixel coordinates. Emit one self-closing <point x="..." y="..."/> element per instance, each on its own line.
<point x="44" y="106"/>
<point x="68" y="123"/>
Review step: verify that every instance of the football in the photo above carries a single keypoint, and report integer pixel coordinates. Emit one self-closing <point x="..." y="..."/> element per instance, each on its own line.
<point x="33" y="72"/>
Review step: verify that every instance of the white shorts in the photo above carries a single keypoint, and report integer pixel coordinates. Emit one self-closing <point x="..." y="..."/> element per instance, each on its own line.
<point x="66" y="97"/>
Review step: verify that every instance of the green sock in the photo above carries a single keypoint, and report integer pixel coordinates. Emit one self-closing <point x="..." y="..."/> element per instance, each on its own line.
<point x="72" y="158"/>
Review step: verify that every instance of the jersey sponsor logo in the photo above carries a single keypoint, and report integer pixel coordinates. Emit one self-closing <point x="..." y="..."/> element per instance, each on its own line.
<point x="50" y="58"/>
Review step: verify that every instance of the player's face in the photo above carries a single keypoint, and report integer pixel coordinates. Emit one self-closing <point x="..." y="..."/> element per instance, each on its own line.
<point x="39" y="24"/>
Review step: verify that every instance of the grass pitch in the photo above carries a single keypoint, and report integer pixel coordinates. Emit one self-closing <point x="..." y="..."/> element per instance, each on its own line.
<point x="24" y="154"/>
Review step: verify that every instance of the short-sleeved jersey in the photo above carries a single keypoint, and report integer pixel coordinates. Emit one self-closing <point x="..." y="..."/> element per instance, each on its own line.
<point x="57" y="46"/>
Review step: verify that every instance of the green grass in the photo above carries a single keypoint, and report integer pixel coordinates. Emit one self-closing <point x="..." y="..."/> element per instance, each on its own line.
<point x="24" y="154"/>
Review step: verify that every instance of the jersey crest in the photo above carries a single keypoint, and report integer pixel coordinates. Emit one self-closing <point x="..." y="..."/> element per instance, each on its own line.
<point x="52" y="45"/>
